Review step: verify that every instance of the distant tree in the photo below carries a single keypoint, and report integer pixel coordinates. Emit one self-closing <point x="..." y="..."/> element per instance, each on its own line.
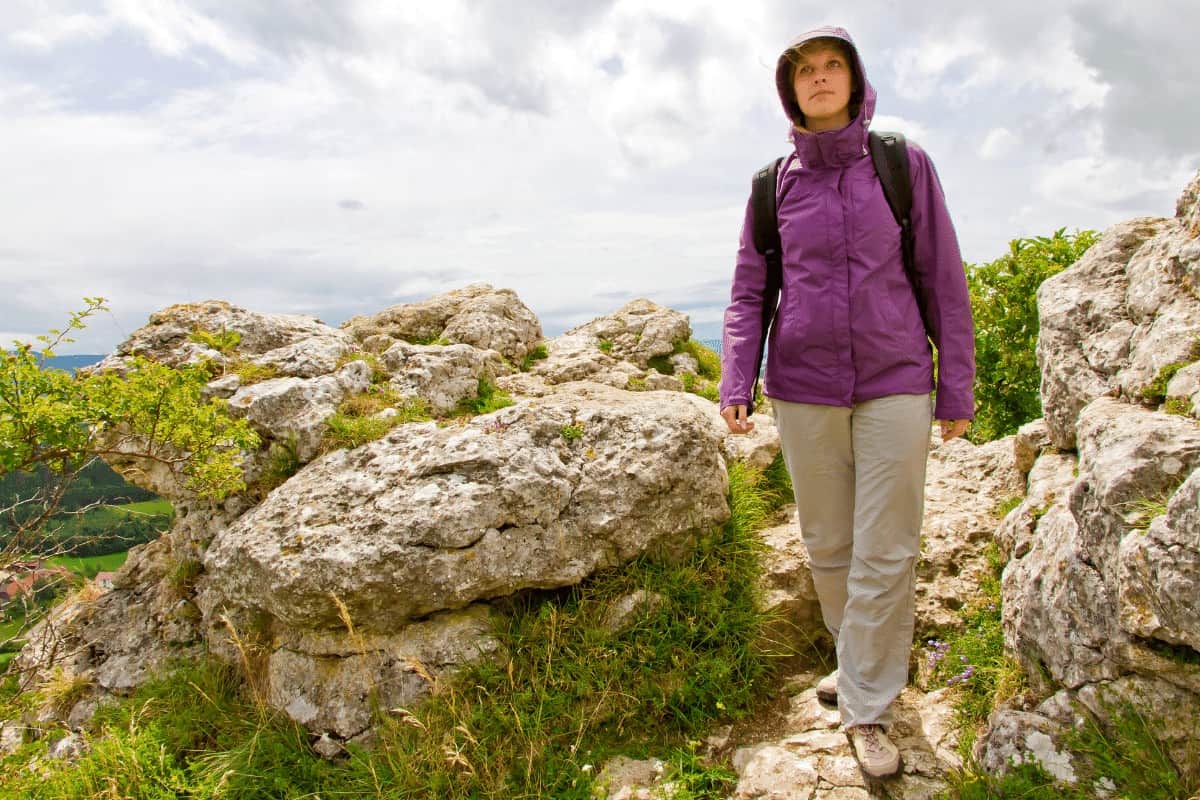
<point x="1004" y="302"/>
<point x="57" y="424"/>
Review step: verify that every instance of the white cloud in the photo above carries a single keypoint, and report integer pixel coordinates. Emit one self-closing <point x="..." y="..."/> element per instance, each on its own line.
<point x="48" y="32"/>
<point x="582" y="155"/>
<point x="998" y="143"/>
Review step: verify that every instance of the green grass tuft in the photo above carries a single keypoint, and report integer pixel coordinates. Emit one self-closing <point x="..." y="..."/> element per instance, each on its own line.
<point x="487" y="399"/>
<point x="605" y="345"/>
<point x="536" y="354"/>
<point x="571" y="432"/>
<point x="223" y="341"/>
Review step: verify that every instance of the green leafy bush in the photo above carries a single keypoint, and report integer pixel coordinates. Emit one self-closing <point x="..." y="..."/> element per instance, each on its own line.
<point x="1004" y="303"/>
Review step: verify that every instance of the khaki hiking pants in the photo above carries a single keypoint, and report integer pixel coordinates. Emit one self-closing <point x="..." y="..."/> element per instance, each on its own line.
<point x="859" y="479"/>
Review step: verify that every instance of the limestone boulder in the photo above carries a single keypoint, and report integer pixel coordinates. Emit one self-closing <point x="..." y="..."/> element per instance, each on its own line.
<point x="1159" y="574"/>
<point x="1021" y="737"/>
<point x="1032" y="439"/>
<point x="171" y="336"/>
<point x="297" y="408"/>
<point x="1184" y="389"/>
<point x="333" y="681"/>
<point x="1085" y="326"/>
<point x="577" y="356"/>
<point x="1050" y="480"/>
<point x="1130" y="458"/>
<point x="442" y="376"/>
<point x="1113" y="322"/>
<point x="965" y="485"/>
<point x="434" y="518"/>
<point x="639" y="331"/>
<point x="477" y="315"/>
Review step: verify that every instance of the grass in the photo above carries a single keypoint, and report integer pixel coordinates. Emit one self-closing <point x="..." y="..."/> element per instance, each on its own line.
<point x="704" y="381"/>
<point x="283" y="461"/>
<point x="223" y="341"/>
<point x="536" y="354"/>
<point x="535" y="722"/>
<point x="106" y="517"/>
<point x="1179" y="406"/>
<point x="571" y="432"/>
<point x="248" y="372"/>
<point x="605" y="345"/>
<point x="487" y="399"/>
<point x="974" y="661"/>
<point x="1156" y="391"/>
<point x="1125" y="759"/>
<point x="356" y="421"/>
<point x="88" y="566"/>
<point x="1004" y="507"/>
<point x="1145" y="510"/>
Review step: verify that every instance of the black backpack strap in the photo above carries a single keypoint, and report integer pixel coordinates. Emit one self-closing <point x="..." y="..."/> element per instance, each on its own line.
<point x="767" y="243"/>
<point x="890" y="157"/>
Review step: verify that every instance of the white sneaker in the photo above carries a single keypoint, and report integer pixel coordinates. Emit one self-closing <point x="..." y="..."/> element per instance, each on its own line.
<point x="827" y="688"/>
<point x="876" y="754"/>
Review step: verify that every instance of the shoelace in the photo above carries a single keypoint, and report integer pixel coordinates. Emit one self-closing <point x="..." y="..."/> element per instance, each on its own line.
<point x="870" y="736"/>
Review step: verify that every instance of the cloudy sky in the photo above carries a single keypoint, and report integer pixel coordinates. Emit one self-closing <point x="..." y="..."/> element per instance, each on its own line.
<point x="335" y="157"/>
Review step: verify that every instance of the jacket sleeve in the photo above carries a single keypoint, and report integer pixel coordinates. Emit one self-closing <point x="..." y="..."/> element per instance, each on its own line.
<point x="743" y="320"/>
<point x="943" y="279"/>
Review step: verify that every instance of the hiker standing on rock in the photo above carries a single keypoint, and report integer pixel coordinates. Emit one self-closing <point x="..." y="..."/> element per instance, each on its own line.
<point x="849" y="366"/>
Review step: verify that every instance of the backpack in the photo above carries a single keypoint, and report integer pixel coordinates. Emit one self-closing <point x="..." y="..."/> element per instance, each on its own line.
<point x="889" y="154"/>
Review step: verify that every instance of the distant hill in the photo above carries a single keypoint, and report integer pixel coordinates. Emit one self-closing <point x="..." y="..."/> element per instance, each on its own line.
<point x="72" y="363"/>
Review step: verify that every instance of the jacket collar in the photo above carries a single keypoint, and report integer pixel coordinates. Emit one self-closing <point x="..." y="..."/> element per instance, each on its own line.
<point x="835" y="148"/>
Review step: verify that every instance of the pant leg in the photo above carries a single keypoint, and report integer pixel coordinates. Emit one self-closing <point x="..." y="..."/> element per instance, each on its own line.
<point x="890" y="445"/>
<point x="817" y="450"/>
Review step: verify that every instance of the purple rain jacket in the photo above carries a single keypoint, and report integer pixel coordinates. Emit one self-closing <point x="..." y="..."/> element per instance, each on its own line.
<point x="848" y="328"/>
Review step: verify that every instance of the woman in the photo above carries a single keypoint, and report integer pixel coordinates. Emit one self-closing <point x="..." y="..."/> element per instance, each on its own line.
<point x="849" y="372"/>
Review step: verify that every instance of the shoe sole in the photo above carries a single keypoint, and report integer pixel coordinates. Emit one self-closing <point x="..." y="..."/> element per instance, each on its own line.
<point x="874" y="781"/>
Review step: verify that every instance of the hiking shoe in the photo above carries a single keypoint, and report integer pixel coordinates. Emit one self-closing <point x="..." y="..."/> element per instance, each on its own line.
<point x="827" y="688"/>
<point x="876" y="754"/>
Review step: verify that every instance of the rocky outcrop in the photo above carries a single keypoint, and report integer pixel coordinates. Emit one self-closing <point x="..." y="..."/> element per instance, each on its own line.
<point x="1112" y="323"/>
<point x="476" y="315"/>
<point x="1105" y="547"/>
<point x="368" y="575"/>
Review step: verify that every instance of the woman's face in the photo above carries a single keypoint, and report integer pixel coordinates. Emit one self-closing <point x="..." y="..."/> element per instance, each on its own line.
<point x="823" y="82"/>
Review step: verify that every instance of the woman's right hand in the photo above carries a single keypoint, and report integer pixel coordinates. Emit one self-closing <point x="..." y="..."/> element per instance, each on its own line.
<point x="737" y="419"/>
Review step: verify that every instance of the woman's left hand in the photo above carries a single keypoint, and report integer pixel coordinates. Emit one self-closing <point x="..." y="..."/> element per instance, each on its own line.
<point x="953" y="428"/>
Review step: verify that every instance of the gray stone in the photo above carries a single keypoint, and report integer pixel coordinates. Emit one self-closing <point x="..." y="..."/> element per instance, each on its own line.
<point x="1083" y="323"/>
<point x="477" y="315"/>
<point x="432" y="518"/>
<point x="1159" y="578"/>
<point x="1020" y="737"/>
<point x="441" y="375"/>
<point x="1031" y="440"/>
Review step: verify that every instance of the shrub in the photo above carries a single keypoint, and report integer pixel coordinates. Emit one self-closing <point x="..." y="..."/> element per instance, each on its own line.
<point x="1004" y="303"/>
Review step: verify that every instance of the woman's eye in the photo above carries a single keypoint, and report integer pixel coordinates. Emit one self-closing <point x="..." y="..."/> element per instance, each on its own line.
<point x="834" y="64"/>
<point x="806" y="69"/>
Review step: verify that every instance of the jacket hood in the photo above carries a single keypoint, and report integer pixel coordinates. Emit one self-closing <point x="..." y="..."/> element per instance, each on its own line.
<point x="853" y="138"/>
